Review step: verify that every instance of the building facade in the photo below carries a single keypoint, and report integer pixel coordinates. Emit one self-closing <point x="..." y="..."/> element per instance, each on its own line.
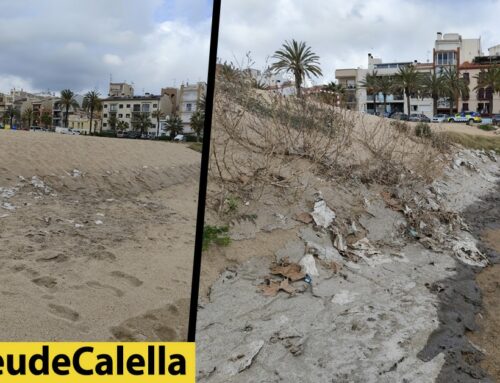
<point x="450" y="51"/>
<point x="189" y="98"/>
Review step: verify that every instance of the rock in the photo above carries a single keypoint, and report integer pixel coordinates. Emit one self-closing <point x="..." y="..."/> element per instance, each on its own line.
<point x="308" y="265"/>
<point x="242" y="358"/>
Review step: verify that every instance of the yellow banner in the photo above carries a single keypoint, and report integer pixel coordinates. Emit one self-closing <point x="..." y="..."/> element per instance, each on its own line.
<point x="94" y="362"/>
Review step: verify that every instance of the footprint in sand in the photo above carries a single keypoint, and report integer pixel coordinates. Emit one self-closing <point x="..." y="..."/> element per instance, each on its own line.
<point x="151" y="326"/>
<point x="47" y="282"/>
<point x="56" y="258"/>
<point x="98" y="285"/>
<point x="64" y="312"/>
<point x="127" y="277"/>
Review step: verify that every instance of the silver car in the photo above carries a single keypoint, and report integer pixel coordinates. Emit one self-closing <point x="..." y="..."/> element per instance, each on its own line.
<point x="440" y="118"/>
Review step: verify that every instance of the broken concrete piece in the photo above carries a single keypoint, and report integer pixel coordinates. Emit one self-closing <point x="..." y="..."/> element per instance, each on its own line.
<point x="339" y="243"/>
<point x="323" y="216"/>
<point x="467" y="252"/>
<point x="242" y="358"/>
<point x="308" y="265"/>
<point x="344" y="297"/>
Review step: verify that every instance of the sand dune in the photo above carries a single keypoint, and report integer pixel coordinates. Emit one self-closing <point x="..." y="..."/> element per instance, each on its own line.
<point x="96" y="237"/>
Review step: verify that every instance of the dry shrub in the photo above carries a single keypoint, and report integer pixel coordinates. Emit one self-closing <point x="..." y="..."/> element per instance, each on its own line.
<point x="260" y="139"/>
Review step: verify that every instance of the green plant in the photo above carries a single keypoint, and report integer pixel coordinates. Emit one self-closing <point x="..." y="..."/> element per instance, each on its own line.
<point x="196" y="146"/>
<point x="487" y="127"/>
<point x="423" y="130"/>
<point x="232" y="204"/>
<point x="400" y="126"/>
<point x="218" y="235"/>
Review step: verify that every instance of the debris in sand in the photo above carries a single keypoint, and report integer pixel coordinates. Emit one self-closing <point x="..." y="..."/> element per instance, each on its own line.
<point x="8" y="192"/>
<point x="303" y="217"/>
<point x="98" y="222"/>
<point x="76" y="173"/>
<point x="308" y="265"/>
<point x="344" y="297"/>
<point x="8" y="206"/>
<point x="4" y="215"/>
<point x="323" y="216"/>
<point x="289" y="270"/>
<point x="339" y="242"/>
<point x="363" y="247"/>
<point x="466" y="251"/>
<point x="271" y="288"/>
<point x="39" y="184"/>
<point x="100" y="214"/>
<point x="243" y="358"/>
<point x="78" y="225"/>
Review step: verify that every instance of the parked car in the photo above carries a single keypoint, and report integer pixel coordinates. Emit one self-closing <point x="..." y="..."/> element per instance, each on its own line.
<point x="416" y="117"/>
<point x="180" y="137"/>
<point x="440" y="118"/>
<point x="468" y="117"/>
<point x="133" y="134"/>
<point x="121" y="134"/>
<point x="73" y="132"/>
<point x="495" y="119"/>
<point x="61" y="130"/>
<point x="36" y="129"/>
<point x="400" y="116"/>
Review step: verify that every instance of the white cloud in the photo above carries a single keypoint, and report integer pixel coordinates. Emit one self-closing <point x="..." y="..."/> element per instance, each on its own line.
<point x="110" y="59"/>
<point x="343" y="32"/>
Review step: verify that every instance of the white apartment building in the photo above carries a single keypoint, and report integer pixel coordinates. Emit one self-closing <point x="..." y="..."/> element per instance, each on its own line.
<point x="189" y="97"/>
<point x="450" y="50"/>
<point x="123" y="108"/>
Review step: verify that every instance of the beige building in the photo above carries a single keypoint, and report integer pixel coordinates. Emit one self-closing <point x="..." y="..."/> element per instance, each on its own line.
<point x="81" y="121"/>
<point x="120" y="89"/>
<point x="124" y="108"/>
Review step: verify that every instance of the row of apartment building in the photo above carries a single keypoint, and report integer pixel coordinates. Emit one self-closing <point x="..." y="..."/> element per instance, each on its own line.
<point x="121" y="102"/>
<point x="450" y="50"/>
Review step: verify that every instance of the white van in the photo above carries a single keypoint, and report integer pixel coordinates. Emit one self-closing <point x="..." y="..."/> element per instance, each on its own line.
<point x="62" y="130"/>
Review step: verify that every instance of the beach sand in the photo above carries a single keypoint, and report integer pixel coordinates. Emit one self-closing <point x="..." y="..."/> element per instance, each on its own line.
<point x="96" y="237"/>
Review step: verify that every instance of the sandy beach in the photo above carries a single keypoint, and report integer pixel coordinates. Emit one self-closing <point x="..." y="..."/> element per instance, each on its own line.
<point x="96" y="237"/>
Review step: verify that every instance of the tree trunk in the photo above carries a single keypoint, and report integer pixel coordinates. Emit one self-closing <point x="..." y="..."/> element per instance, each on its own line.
<point x="297" y="85"/>
<point x="434" y="105"/>
<point x="374" y="104"/>
<point x="385" y="103"/>
<point x="158" y="126"/>
<point x="91" y="115"/>
<point x="66" y="119"/>
<point x="408" y="103"/>
<point x="451" y="105"/>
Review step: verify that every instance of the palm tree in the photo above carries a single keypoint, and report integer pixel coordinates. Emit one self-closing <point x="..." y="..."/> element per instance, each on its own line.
<point x="122" y="125"/>
<point x="454" y="85"/>
<point x="408" y="81"/>
<point x="91" y="102"/>
<point x="298" y="59"/>
<point x="372" y="85"/>
<point x="113" y="121"/>
<point x="174" y="125"/>
<point x="433" y="86"/>
<point x="10" y="113"/>
<point x="28" y="116"/>
<point x="158" y="114"/>
<point x="489" y="79"/>
<point x="67" y="100"/>
<point x="197" y="123"/>
<point x="386" y="87"/>
<point x="46" y="117"/>
<point x="141" y="122"/>
<point x="337" y="90"/>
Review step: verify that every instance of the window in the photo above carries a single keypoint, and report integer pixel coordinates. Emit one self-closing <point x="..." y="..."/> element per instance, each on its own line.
<point x="466" y="77"/>
<point x="155" y="106"/>
<point x="415" y="108"/>
<point x="105" y="115"/>
<point x="128" y="105"/>
<point x="189" y="107"/>
<point x="105" y="106"/>
<point x="127" y="115"/>
<point x="445" y="58"/>
<point x="112" y="107"/>
<point x="465" y="106"/>
<point x="104" y="124"/>
<point x="137" y="107"/>
<point x="120" y="115"/>
<point x="145" y="108"/>
<point x="121" y="106"/>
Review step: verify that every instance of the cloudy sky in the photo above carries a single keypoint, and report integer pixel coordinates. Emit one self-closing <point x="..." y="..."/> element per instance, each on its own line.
<point x="58" y="44"/>
<point x="343" y="32"/>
